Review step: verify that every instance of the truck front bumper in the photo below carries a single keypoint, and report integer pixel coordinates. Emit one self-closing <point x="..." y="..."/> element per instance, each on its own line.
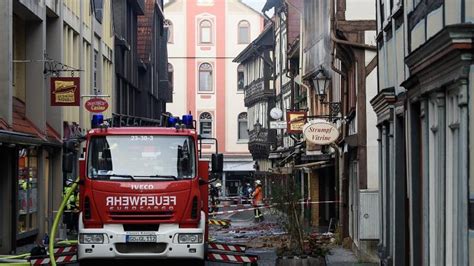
<point x="115" y="244"/>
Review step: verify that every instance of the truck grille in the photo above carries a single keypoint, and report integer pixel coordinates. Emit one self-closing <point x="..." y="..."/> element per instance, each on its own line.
<point x="164" y="215"/>
<point x="140" y="247"/>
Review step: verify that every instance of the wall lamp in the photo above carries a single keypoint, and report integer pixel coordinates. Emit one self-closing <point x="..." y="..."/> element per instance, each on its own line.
<point x="320" y="83"/>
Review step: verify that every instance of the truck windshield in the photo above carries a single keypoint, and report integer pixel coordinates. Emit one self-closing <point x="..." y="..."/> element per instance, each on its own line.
<point x="138" y="157"/>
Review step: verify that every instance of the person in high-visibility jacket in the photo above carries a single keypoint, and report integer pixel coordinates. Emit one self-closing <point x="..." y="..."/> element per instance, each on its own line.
<point x="72" y="208"/>
<point x="257" y="201"/>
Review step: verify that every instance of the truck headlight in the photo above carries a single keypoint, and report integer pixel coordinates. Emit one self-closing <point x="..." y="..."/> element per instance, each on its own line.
<point x="91" y="238"/>
<point x="189" y="238"/>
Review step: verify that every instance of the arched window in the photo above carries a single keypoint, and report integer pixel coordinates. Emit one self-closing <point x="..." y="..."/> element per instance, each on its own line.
<point x="205" y="77"/>
<point x="242" y="120"/>
<point x="244" y="32"/>
<point x="240" y="77"/>
<point x="205" y="31"/>
<point x="170" y="75"/>
<point x="169" y="25"/>
<point x="205" y="124"/>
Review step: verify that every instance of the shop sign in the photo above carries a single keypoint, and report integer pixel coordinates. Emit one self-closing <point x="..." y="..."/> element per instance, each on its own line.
<point x="320" y="132"/>
<point x="96" y="105"/>
<point x="65" y="91"/>
<point x="295" y="121"/>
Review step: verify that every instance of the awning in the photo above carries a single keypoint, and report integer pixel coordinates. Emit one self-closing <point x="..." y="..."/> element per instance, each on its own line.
<point x="239" y="166"/>
<point x="314" y="165"/>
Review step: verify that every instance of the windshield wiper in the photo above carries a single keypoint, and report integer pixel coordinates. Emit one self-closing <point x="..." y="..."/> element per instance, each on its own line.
<point x="117" y="175"/>
<point x="163" y="176"/>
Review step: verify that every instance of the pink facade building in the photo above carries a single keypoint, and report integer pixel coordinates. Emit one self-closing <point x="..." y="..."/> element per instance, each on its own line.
<point x="204" y="38"/>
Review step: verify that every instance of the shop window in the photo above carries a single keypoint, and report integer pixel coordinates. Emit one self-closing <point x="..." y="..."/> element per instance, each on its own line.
<point x="27" y="192"/>
<point x="205" y="125"/>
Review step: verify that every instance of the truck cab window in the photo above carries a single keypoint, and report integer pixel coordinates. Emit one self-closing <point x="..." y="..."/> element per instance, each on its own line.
<point x="142" y="157"/>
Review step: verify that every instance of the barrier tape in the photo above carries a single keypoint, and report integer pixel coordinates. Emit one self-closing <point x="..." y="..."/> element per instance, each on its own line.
<point x="219" y="222"/>
<point x="268" y="206"/>
<point x="227" y="247"/>
<point x="235" y="258"/>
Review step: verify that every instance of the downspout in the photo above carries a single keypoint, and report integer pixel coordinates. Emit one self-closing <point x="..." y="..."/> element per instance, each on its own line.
<point x="353" y="44"/>
<point x="338" y="177"/>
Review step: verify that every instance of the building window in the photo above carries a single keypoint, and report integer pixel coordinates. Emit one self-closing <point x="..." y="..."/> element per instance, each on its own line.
<point x="205" y="77"/>
<point x="96" y="58"/>
<point x="244" y="32"/>
<point x="205" y="125"/>
<point x="240" y="77"/>
<point x="170" y="76"/>
<point x="98" y="7"/>
<point x="205" y="31"/>
<point x="169" y="25"/>
<point x="243" y="134"/>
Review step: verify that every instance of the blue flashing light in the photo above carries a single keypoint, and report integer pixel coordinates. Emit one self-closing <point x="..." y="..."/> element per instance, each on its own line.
<point x="172" y="121"/>
<point x="188" y="120"/>
<point x="97" y="120"/>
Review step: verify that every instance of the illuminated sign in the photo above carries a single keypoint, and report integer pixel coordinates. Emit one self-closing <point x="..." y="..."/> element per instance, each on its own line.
<point x="96" y="105"/>
<point x="65" y="91"/>
<point x="295" y="121"/>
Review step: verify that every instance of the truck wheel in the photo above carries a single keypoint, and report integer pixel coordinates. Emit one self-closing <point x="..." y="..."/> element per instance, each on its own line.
<point x="90" y="262"/>
<point x="198" y="262"/>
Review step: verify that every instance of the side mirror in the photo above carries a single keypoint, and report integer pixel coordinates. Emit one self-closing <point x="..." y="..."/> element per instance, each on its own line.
<point x="68" y="162"/>
<point x="217" y="162"/>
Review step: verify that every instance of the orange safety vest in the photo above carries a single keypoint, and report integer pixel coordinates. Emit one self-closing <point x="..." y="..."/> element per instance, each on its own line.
<point x="257" y="196"/>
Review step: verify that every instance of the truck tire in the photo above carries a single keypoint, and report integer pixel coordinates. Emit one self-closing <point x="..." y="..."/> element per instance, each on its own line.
<point x="90" y="262"/>
<point x="198" y="262"/>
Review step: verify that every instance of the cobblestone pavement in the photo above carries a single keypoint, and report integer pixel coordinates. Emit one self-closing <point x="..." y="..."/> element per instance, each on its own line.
<point x="343" y="257"/>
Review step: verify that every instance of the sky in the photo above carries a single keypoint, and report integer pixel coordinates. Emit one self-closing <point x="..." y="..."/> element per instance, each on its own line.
<point x="255" y="4"/>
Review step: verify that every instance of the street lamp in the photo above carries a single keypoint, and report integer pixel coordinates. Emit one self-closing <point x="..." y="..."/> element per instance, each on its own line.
<point x="320" y="81"/>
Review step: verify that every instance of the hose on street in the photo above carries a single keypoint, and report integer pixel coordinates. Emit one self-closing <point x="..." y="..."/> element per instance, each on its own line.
<point x="57" y="219"/>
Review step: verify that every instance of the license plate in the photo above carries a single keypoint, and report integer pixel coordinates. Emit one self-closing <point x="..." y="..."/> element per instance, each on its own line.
<point x="141" y="238"/>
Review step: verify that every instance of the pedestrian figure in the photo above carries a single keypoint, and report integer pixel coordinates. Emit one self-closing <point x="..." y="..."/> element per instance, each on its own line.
<point x="257" y="197"/>
<point x="215" y="197"/>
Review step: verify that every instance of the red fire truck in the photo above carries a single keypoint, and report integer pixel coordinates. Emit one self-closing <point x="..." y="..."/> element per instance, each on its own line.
<point x="143" y="193"/>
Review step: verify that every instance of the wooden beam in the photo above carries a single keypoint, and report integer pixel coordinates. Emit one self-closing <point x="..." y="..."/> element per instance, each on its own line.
<point x="356" y="25"/>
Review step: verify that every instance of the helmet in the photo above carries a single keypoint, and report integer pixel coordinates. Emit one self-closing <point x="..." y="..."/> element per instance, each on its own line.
<point x="258" y="182"/>
<point x="218" y="185"/>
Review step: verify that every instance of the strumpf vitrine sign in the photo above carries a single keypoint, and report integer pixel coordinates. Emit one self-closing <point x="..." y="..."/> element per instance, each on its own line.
<point x="65" y="91"/>
<point x="320" y="132"/>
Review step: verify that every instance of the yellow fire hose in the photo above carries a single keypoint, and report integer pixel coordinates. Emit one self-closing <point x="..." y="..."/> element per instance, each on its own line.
<point x="56" y="221"/>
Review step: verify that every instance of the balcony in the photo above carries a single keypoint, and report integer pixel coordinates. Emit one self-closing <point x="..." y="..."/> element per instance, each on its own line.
<point x="260" y="140"/>
<point x="256" y="92"/>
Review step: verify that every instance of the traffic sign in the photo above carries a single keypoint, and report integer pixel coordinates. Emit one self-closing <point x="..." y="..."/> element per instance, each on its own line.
<point x="278" y="124"/>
